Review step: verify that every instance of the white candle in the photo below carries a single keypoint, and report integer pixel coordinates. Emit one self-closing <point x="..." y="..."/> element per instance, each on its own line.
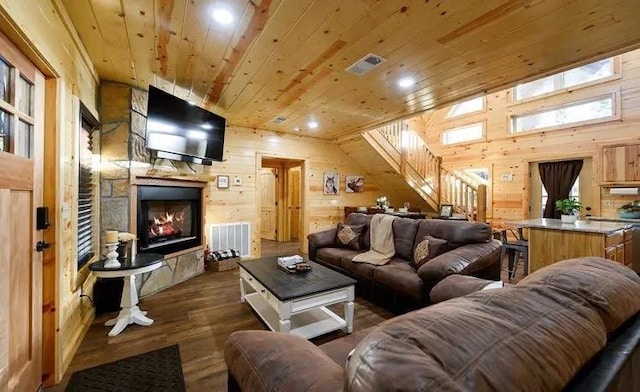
<point x="111" y="237"/>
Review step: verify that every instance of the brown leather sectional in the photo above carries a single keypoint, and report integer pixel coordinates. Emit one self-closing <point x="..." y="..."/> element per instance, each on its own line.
<point x="471" y="251"/>
<point x="572" y="326"/>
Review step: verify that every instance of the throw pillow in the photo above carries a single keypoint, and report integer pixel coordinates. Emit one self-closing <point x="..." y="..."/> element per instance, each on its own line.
<point x="348" y="236"/>
<point x="428" y="248"/>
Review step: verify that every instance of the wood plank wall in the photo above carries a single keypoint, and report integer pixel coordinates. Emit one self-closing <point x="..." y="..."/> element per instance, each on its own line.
<point x="243" y="152"/>
<point x="43" y="31"/>
<point x="238" y="203"/>
<point x="502" y="153"/>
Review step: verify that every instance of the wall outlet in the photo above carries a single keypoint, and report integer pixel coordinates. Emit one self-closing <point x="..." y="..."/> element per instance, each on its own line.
<point x="608" y="203"/>
<point x="237" y="181"/>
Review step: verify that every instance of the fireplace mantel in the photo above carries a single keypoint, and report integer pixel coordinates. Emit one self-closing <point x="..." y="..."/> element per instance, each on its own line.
<point x="167" y="181"/>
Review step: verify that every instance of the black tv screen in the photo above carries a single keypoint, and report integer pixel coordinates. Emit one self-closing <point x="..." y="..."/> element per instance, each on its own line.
<point x="176" y="126"/>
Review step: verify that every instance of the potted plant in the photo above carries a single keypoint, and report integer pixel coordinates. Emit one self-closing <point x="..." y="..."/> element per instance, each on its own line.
<point x="569" y="207"/>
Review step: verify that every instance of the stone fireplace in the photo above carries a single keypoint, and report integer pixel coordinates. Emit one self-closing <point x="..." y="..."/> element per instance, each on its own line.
<point x="126" y="167"/>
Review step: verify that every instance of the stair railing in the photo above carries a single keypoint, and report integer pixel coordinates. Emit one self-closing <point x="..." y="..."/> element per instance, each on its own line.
<point x="418" y="164"/>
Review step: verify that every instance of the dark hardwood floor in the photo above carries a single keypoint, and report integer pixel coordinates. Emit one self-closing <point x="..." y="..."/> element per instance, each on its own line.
<point x="199" y="315"/>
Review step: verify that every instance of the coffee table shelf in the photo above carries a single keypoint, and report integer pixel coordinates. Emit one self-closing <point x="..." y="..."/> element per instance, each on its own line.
<point x="297" y="304"/>
<point x="307" y="324"/>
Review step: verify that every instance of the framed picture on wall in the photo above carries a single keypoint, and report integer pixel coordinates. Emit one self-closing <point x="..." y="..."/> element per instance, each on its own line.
<point x="223" y="182"/>
<point x="446" y="210"/>
<point x="354" y="184"/>
<point x="331" y="183"/>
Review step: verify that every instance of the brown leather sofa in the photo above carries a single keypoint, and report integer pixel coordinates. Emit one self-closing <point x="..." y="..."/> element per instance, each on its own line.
<point x="398" y="284"/>
<point x="572" y="326"/>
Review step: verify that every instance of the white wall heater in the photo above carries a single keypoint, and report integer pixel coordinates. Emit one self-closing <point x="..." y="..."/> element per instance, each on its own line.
<point x="235" y="235"/>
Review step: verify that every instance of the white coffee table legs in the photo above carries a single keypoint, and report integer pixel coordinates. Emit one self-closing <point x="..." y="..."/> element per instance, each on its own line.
<point x="348" y="316"/>
<point x="130" y="313"/>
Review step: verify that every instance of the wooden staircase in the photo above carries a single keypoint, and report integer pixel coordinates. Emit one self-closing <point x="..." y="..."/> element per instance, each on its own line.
<point x="408" y="154"/>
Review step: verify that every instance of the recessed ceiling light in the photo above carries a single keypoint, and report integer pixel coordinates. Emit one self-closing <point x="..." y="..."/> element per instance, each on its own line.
<point x="406" y="82"/>
<point x="222" y="16"/>
<point x="313" y="124"/>
<point x="296" y="129"/>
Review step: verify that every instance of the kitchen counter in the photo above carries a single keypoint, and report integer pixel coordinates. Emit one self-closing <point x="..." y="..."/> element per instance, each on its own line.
<point x="615" y="219"/>
<point x="586" y="226"/>
<point x="551" y="241"/>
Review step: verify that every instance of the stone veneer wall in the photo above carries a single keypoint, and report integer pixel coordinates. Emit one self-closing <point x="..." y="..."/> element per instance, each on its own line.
<point x="124" y="110"/>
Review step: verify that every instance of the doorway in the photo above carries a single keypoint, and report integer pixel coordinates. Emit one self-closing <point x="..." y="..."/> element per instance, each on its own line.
<point x="281" y="205"/>
<point x="21" y="191"/>
<point x="583" y="190"/>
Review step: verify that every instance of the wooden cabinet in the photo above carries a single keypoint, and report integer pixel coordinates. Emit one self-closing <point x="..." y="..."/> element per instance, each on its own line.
<point x="621" y="164"/>
<point x="618" y="247"/>
<point x="548" y="245"/>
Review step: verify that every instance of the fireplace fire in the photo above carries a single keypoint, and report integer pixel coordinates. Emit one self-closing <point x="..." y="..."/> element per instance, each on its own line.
<point x="169" y="217"/>
<point x="168" y="222"/>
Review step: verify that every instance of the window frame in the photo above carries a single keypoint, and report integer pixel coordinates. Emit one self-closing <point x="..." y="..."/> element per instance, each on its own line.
<point x="84" y="115"/>
<point x="448" y="117"/>
<point x="482" y="138"/>
<point x="613" y="94"/>
<point x="617" y="74"/>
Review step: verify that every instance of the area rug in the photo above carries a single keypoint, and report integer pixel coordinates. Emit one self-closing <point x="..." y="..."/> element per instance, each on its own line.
<point x="158" y="370"/>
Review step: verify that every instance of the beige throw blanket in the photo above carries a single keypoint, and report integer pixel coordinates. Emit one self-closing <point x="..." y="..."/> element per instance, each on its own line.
<point x="381" y="234"/>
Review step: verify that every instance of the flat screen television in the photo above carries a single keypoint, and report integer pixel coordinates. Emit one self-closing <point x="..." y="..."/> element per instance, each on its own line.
<point x="179" y="130"/>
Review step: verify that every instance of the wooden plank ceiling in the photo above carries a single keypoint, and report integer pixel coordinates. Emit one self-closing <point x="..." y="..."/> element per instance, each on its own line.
<point x="288" y="57"/>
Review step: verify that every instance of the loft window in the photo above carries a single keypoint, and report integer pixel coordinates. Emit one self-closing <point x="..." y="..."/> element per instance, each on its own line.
<point x="87" y="214"/>
<point x="598" y="109"/>
<point x="586" y="74"/>
<point x="463" y="134"/>
<point x="466" y="107"/>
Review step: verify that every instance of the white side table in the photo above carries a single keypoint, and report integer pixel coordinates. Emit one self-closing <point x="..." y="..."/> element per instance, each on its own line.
<point x="130" y="313"/>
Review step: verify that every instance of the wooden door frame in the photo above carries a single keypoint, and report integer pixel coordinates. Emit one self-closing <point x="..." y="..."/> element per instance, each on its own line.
<point x="12" y="32"/>
<point x="304" y="192"/>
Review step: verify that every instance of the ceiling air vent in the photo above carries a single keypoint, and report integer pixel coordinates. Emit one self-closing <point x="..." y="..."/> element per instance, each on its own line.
<point x="365" y="64"/>
<point x="279" y="120"/>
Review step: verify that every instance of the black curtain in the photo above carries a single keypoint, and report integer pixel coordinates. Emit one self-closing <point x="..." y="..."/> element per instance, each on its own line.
<point x="558" y="178"/>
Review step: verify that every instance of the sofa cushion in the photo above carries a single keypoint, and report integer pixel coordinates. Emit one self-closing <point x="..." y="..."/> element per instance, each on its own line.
<point x="404" y="235"/>
<point x="610" y="288"/>
<point x="255" y="360"/>
<point x="364" y="270"/>
<point x="488" y="340"/>
<point x="339" y="349"/>
<point x="356" y="218"/>
<point x="428" y="248"/>
<point x="455" y="286"/>
<point x="348" y="236"/>
<point x="401" y="276"/>
<point x="332" y="255"/>
<point x="457" y="233"/>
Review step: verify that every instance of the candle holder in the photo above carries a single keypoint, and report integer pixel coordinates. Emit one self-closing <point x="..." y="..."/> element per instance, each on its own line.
<point x="112" y="256"/>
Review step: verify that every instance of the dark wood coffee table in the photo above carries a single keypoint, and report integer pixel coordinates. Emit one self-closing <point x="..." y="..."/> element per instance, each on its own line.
<point x="297" y="303"/>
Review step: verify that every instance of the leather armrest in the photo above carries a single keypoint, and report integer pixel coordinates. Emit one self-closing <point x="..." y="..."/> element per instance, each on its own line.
<point x="270" y="361"/>
<point x="463" y="260"/>
<point x="321" y="239"/>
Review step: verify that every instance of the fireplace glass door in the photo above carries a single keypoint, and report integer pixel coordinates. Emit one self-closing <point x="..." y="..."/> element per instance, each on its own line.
<point x="169" y="219"/>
